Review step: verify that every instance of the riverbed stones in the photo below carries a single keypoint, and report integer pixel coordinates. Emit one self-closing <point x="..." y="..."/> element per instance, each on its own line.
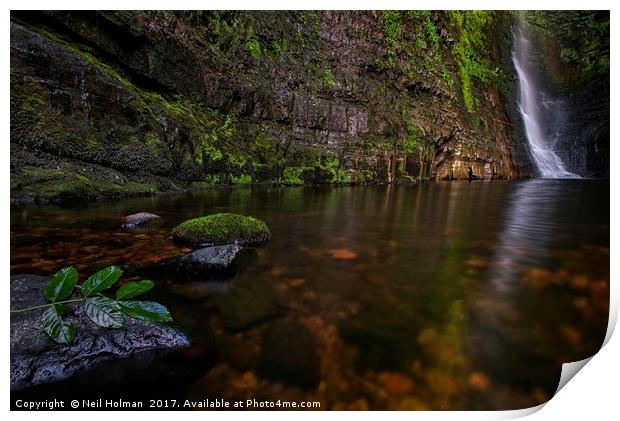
<point x="224" y="258"/>
<point x="36" y="359"/>
<point x="289" y="354"/>
<point x="140" y="218"/>
<point x="222" y="228"/>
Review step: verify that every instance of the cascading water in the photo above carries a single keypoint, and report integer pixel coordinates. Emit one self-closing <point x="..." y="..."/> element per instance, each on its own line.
<point x="531" y="98"/>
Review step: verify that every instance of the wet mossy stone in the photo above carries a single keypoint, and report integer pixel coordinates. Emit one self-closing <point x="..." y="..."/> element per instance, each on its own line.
<point x="222" y="228"/>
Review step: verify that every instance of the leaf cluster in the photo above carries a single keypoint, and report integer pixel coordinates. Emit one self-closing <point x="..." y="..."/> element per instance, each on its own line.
<point x="102" y="310"/>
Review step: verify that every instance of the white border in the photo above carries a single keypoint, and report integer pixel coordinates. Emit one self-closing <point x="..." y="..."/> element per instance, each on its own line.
<point x="592" y="394"/>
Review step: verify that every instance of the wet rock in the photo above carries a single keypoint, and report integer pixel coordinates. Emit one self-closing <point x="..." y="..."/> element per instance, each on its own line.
<point x="36" y="359"/>
<point x="132" y="221"/>
<point x="217" y="259"/>
<point x="289" y="354"/>
<point x="208" y="265"/>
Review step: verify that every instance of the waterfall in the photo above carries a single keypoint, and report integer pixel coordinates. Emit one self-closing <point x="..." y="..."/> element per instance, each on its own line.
<point x="531" y="101"/>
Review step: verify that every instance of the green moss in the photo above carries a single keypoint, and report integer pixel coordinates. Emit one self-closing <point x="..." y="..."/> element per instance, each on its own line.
<point x="470" y="51"/>
<point x="210" y="181"/>
<point x="216" y="134"/>
<point x="34" y="103"/>
<point x="253" y="45"/>
<point x="364" y="176"/>
<point x="241" y="180"/>
<point x="338" y="175"/>
<point x="413" y="139"/>
<point x="52" y="185"/>
<point x="328" y="78"/>
<point x="222" y="228"/>
<point x="277" y="47"/>
<point x="391" y="33"/>
<point x="310" y="26"/>
<point x="447" y="77"/>
<point x="293" y="176"/>
<point x="431" y="30"/>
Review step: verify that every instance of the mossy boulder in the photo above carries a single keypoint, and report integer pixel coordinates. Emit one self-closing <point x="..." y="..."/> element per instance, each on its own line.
<point x="222" y="228"/>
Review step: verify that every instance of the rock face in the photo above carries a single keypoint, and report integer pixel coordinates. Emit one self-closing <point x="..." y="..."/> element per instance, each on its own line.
<point x="105" y="104"/>
<point x="132" y="221"/>
<point x="216" y="259"/>
<point x="36" y="359"/>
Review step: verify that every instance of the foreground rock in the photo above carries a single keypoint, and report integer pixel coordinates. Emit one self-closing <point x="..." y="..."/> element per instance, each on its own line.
<point x="223" y="258"/>
<point x="132" y="221"/>
<point x="36" y="359"/>
<point x="222" y="228"/>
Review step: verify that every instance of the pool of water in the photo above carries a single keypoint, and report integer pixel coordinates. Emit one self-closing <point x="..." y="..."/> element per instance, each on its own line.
<point x="461" y="295"/>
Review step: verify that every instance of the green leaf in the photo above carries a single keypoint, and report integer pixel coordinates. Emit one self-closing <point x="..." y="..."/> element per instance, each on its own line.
<point x="60" y="286"/>
<point x="101" y="280"/>
<point x="55" y="327"/>
<point x="104" y="312"/>
<point x="145" y="310"/>
<point x="133" y="289"/>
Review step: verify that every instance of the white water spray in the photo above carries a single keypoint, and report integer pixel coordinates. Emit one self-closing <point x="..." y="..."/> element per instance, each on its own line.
<point x="530" y="100"/>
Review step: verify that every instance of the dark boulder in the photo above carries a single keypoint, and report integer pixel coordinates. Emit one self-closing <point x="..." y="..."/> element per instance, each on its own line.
<point x="36" y="359"/>
<point x="215" y="259"/>
<point x="132" y="221"/>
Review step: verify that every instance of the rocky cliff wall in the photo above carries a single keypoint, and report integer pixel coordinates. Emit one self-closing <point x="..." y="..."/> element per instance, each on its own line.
<point x="105" y="104"/>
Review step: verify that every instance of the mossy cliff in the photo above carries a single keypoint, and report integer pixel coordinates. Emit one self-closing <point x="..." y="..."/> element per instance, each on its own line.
<point x="105" y="104"/>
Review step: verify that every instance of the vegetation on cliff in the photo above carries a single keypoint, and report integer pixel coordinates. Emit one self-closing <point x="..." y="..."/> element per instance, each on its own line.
<point x="583" y="38"/>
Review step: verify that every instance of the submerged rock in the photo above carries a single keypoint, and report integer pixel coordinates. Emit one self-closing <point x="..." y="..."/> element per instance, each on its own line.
<point x="36" y="359"/>
<point x="247" y="302"/>
<point x="222" y="228"/>
<point x="289" y="354"/>
<point x="208" y="265"/>
<point x="223" y="258"/>
<point x="132" y="221"/>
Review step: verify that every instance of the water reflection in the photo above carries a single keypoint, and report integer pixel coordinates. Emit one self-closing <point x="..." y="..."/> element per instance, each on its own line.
<point x="438" y="296"/>
<point x="527" y="235"/>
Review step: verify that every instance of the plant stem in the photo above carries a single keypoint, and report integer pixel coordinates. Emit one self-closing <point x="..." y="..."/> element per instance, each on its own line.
<point x="21" y="310"/>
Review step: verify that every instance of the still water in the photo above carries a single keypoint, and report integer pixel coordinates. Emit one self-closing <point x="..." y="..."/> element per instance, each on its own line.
<point x="439" y="296"/>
